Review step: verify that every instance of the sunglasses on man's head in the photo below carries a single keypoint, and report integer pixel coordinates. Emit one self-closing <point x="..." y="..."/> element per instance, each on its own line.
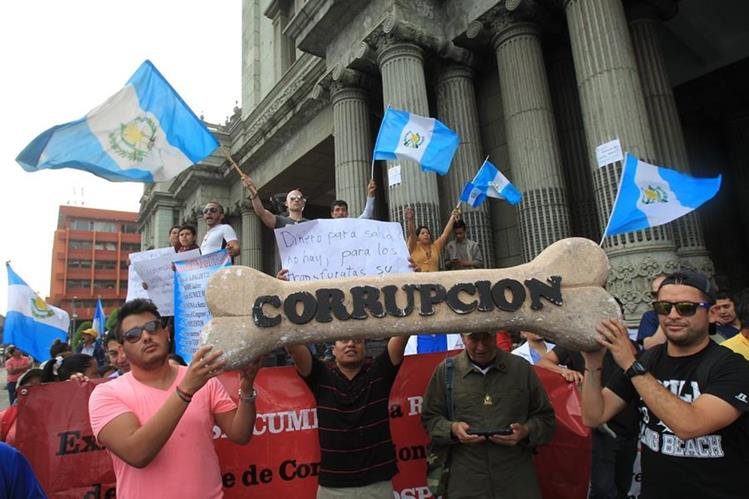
<point x="209" y="209"/>
<point x="133" y="335"/>
<point x="684" y="308"/>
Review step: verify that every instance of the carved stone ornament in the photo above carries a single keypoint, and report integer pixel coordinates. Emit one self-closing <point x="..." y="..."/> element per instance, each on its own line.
<point x="558" y="295"/>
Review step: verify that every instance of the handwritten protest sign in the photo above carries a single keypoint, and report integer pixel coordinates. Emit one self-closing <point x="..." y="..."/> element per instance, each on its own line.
<point x="190" y="309"/>
<point x="158" y="274"/>
<point x="135" y="287"/>
<point x="343" y="247"/>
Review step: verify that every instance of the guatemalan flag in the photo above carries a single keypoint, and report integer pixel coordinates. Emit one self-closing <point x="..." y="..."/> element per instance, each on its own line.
<point x="100" y="320"/>
<point x="490" y="182"/>
<point x="31" y="324"/>
<point x="651" y="195"/>
<point x="143" y="133"/>
<point x="427" y="141"/>
<point x="428" y="343"/>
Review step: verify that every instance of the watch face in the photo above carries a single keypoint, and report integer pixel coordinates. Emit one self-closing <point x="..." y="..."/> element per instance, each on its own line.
<point x="636" y="369"/>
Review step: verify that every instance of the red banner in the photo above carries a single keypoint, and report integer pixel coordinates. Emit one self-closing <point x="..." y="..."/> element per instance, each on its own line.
<point x="283" y="457"/>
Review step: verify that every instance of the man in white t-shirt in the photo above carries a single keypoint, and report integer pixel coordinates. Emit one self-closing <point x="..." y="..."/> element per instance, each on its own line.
<point x="218" y="231"/>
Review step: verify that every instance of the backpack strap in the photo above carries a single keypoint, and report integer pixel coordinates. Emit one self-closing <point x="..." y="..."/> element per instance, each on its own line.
<point x="449" y="365"/>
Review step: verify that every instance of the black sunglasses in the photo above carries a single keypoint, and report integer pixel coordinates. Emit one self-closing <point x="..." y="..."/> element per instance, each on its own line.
<point x="134" y="334"/>
<point x="684" y="308"/>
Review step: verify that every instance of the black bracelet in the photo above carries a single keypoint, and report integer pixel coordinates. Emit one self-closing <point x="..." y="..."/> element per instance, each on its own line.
<point x="183" y="394"/>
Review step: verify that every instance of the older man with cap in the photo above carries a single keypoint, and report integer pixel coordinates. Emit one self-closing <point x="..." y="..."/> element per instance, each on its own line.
<point x="693" y="396"/>
<point x="91" y="345"/>
<point x="499" y="414"/>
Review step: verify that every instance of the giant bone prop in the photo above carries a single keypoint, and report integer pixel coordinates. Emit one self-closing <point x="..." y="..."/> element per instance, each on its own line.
<point x="558" y="295"/>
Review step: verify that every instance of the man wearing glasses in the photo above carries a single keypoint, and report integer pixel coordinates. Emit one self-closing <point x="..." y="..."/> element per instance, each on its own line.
<point x="693" y="396"/>
<point x="295" y="202"/>
<point x="218" y="232"/>
<point x="157" y="420"/>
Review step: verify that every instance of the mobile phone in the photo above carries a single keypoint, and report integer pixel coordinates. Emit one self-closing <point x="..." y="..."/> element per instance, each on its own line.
<point x="488" y="433"/>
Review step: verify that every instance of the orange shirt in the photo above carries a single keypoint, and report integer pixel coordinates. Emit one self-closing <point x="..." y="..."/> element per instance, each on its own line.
<point x="427" y="258"/>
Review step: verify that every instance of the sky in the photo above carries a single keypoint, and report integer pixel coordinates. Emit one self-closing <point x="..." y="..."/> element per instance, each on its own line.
<point x="62" y="58"/>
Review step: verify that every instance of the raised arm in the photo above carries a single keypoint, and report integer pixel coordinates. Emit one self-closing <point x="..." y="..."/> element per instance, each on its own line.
<point x="300" y="354"/>
<point x="368" y="212"/>
<point x="442" y="240"/>
<point x="238" y="424"/>
<point x="410" y="228"/>
<point x="268" y="218"/>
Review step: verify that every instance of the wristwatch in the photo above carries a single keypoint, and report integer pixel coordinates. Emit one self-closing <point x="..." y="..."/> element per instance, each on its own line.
<point x="636" y="369"/>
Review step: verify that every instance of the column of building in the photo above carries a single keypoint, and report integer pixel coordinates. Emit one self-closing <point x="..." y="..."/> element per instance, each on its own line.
<point x="163" y="220"/>
<point x="403" y="87"/>
<point x="535" y="159"/>
<point x="456" y="107"/>
<point x="613" y="106"/>
<point x="353" y="138"/>
<point x="251" y="245"/>
<point x="670" y="149"/>
<point x="572" y="143"/>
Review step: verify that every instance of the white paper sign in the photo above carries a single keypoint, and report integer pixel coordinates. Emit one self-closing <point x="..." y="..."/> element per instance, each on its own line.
<point x="135" y="287"/>
<point x="394" y="175"/>
<point x="343" y="247"/>
<point x="608" y="153"/>
<point x="158" y="275"/>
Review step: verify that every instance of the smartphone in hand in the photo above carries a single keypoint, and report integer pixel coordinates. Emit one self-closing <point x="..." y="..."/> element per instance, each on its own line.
<point x="488" y="433"/>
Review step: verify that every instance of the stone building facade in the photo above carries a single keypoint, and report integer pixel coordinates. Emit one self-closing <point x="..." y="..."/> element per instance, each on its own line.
<point x="535" y="85"/>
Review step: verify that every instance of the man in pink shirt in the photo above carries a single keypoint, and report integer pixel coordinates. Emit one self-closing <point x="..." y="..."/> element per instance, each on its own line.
<point x="15" y="366"/>
<point x="157" y="420"/>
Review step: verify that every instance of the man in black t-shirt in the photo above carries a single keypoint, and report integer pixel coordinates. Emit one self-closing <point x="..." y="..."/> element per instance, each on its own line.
<point x="694" y="397"/>
<point x="357" y="455"/>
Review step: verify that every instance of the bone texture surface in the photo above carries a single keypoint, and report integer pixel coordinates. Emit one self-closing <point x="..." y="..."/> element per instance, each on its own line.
<point x="254" y="313"/>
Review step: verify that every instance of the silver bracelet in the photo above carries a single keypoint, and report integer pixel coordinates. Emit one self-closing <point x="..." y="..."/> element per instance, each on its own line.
<point x="245" y="399"/>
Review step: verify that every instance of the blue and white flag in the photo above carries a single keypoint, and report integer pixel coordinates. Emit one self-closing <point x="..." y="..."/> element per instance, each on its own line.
<point x="100" y="320"/>
<point x="31" y="324"/>
<point x="652" y="195"/>
<point x="490" y="182"/>
<point x="428" y="343"/>
<point x="143" y="133"/>
<point x="425" y="140"/>
<point x="472" y="195"/>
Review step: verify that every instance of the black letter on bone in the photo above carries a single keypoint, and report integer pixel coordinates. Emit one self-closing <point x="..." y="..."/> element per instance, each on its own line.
<point x="330" y="300"/>
<point x="262" y="320"/>
<point x="430" y="295"/>
<point x="485" y="296"/>
<point x="391" y="304"/>
<point x="453" y="301"/>
<point x="516" y="290"/>
<point x="540" y="290"/>
<point x="309" y="307"/>
<point x="366" y="297"/>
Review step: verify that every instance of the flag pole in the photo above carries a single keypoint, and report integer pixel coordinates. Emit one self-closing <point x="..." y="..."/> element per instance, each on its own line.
<point x="233" y="163"/>
<point x="613" y="206"/>
<point x="371" y="175"/>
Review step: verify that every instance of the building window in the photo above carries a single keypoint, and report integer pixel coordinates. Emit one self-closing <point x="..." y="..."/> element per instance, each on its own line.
<point x="102" y="284"/>
<point x="106" y="245"/>
<point x="77" y="244"/>
<point x="100" y="226"/>
<point x="81" y="224"/>
<point x="79" y="264"/>
<point x="130" y="228"/>
<point x="79" y="284"/>
<point x="105" y="265"/>
<point x="130" y="247"/>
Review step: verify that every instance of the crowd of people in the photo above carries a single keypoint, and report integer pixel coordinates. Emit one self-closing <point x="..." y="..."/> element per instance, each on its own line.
<point x="678" y="389"/>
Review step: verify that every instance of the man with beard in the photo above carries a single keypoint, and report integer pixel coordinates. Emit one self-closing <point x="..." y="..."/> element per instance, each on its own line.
<point x="219" y="234"/>
<point x="356" y="449"/>
<point x="157" y="420"/>
<point x="693" y="396"/>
